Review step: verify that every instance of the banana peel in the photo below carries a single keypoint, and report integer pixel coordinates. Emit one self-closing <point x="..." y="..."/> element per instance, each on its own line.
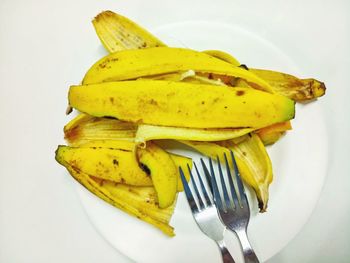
<point x="254" y="165"/>
<point x="117" y="32"/>
<point x="113" y="164"/>
<point x="152" y="132"/>
<point x="179" y="104"/>
<point x="163" y="171"/>
<point x="141" y="195"/>
<point x="136" y="63"/>
<point x="252" y="160"/>
<point x="88" y="130"/>
<point x="85" y="128"/>
<point x="291" y="86"/>
<point x="136" y="201"/>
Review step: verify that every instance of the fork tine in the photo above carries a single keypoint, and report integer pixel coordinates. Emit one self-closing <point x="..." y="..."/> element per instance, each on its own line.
<point x="200" y="202"/>
<point x="204" y="190"/>
<point x="232" y="186"/>
<point x="188" y="193"/>
<point x="207" y="175"/>
<point x="216" y="193"/>
<point x="240" y="186"/>
<point x="223" y="185"/>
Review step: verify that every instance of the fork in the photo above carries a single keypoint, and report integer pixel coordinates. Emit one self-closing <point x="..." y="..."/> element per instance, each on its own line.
<point x="205" y="213"/>
<point x="235" y="216"/>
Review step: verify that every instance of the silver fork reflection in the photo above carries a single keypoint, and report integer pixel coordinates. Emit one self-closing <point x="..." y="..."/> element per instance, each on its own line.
<point x="234" y="214"/>
<point x="205" y="213"/>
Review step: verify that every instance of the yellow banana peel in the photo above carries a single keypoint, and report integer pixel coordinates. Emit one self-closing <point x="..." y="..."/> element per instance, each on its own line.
<point x="291" y="86"/>
<point x="254" y="165"/>
<point x="136" y="201"/>
<point x="252" y="160"/>
<point x="92" y="131"/>
<point x="179" y="104"/>
<point x="140" y="196"/>
<point x="136" y="63"/>
<point x="161" y="167"/>
<point x="85" y="128"/>
<point x="152" y="132"/>
<point x="117" y="165"/>
<point x="117" y="32"/>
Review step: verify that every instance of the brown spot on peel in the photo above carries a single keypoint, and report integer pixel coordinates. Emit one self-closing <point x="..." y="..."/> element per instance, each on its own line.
<point x="240" y="92"/>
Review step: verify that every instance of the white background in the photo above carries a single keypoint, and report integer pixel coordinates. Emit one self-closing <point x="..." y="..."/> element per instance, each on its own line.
<point x="43" y="49"/>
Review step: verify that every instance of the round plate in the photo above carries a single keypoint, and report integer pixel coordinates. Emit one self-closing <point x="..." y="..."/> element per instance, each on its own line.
<point x="299" y="161"/>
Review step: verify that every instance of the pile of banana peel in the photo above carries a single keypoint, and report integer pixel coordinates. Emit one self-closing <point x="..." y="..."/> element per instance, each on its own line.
<point x="144" y="92"/>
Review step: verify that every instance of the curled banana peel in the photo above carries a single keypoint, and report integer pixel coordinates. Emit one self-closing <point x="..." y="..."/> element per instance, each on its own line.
<point x="252" y="160"/>
<point x="270" y="134"/>
<point x="136" y="63"/>
<point x="153" y="132"/>
<point x="163" y="171"/>
<point x="291" y="86"/>
<point x="178" y="104"/>
<point x="138" y="201"/>
<point x="146" y="189"/>
<point x="85" y="128"/>
<point x="254" y="165"/>
<point x="117" y="32"/>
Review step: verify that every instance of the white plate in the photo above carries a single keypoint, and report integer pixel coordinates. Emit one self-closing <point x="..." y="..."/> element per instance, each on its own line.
<point x="299" y="162"/>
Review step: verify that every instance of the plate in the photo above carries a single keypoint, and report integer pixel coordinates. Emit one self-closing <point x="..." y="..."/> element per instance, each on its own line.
<point x="299" y="161"/>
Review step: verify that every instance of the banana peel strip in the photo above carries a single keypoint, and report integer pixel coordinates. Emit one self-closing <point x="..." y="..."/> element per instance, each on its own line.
<point x="114" y="164"/>
<point x="291" y="86"/>
<point x="117" y="32"/>
<point x="152" y="132"/>
<point x="126" y="198"/>
<point x="85" y="128"/>
<point x="178" y="104"/>
<point x="163" y="172"/>
<point x="136" y="63"/>
<point x="88" y="131"/>
<point x="252" y="160"/>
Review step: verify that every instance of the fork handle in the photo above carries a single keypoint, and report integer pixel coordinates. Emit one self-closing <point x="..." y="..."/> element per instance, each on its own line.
<point x="226" y="256"/>
<point x="248" y="252"/>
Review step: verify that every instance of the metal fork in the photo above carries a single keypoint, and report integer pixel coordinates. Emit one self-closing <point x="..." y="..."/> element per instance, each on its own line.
<point x="205" y="213"/>
<point x="235" y="216"/>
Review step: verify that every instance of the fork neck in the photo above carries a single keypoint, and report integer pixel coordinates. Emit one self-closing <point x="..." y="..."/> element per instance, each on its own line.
<point x="226" y="256"/>
<point x="248" y="252"/>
